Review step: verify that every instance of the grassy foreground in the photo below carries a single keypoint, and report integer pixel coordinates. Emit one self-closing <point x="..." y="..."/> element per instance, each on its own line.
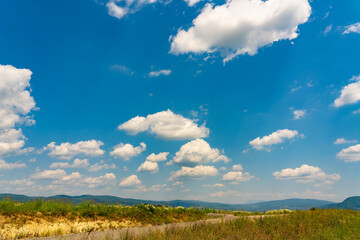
<point x="48" y="218"/>
<point x="319" y="224"/>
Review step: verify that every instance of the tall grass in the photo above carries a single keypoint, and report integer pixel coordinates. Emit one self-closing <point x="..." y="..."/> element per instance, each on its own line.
<point x="143" y="213"/>
<point x="318" y="224"/>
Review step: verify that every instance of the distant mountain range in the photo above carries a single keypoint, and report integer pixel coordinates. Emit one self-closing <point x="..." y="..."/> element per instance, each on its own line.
<point x="293" y="203"/>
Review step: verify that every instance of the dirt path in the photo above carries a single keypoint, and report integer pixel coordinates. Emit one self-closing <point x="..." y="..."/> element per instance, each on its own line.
<point x="139" y="231"/>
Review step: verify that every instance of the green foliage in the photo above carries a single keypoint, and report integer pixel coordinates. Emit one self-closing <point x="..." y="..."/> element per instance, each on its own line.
<point x="142" y="213"/>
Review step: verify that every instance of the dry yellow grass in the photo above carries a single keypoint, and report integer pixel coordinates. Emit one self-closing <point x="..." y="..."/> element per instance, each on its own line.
<point x="38" y="226"/>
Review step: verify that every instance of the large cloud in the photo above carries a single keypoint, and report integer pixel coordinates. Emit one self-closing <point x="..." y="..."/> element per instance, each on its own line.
<point x="198" y="152"/>
<point x="165" y="125"/>
<point x="8" y="166"/>
<point x="67" y="150"/>
<point x="349" y="94"/>
<point x="49" y="174"/>
<point x="127" y="151"/>
<point x="15" y="105"/>
<point x="306" y="174"/>
<point x="350" y="154"/>
<point x="195" y="172"/>
<point x="242" y="26"/>
<point x="275" y="138"/>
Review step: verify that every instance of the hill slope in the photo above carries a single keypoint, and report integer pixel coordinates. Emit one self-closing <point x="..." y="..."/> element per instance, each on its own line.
<point x="259" y="206"/>
<point x="352" y="203"/>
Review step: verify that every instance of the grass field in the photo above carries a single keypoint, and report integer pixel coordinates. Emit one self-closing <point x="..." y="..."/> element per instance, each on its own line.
<point x="319" y="224"/>
<point x="47" y="218"/>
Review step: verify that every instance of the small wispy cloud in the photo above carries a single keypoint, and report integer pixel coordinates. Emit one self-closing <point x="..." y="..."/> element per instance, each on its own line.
<point x="122" y="69"/>
<point x="164" y="72"/>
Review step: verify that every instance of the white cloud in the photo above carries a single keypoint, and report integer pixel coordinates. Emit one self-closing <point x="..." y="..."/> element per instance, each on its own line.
<point x="107" y="179"/>
<point x="127" y="151"/>
<point x="154" y="188"/>
<point x="195" y="172"/>
<point x="148" y="166"/>
<point x="242" y="26"/>
<point x="157" y="157"/>
<point x="350" y="154"/>
<point x="130" y="181"/>
<point x="120" y="8"/>
<point x="177" y="183"/>
<point x="344" y="141"/>
<point x="236" y="177"/>
<point x="99" y="166"/>
<point x="165" y="125"/>
<point x="122" y="69"/>
<point x="49" y="174"/>
<point x="305" y="174"/>
<point x="237" y="167"/>
<point x="67" y="150"/>
<point x="328" y="29"/>
<point x="18" y="183"/>
<point x="11" y="140"/>
<point x="116" y="11"/>
<point x="353" y="28"/>
<point x="15" y="105"/>
<point x="217" y="185"/>
<point x="349" y="94"/>
<point x="78" y="163"/>
<point x="15" y="99"/>
<point x="299" y="114"/>
<point x="198" y="152"/>
<point x="275" y="138"/>
<point x="164" y="72"/>
<point x="8" y="166"/>
<point x="192" y="2"/>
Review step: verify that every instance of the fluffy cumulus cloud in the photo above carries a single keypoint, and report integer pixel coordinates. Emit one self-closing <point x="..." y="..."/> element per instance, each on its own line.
<point x="101" y="166"/>
<point x="132" y="180"/>
<point x="164" y="72"/>
<point x="236" y="177"/>
<point x="148" y="166"/>
<point x="217" y="185"/>
<point x="350" y="93"/>
<point x="197" y="152"/>
<point x="16" y="103"/>
<point x="242" y="26"/>
<point x="67" y="150"/>
<point x="353" y="28"/>
<point x="157" y="157"/>
<point x="8" y="166"/>
<point x="105" y="180"/>
<point x="350" y="154"/>
<point x="275" y="138"/>
<point x="344" y="141"/>
<point x="306" y="174"/>
<point x="299" y="114"/>
<point x="49" y="174"/>
<point x="165" y="125"/>
<point x="78" y="163"/>
<point x="237" y="167"/>
<point x="127" y="151"/>
<point x="195" y="172"/>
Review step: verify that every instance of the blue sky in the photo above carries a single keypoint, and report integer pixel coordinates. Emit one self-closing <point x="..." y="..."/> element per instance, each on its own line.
<point x="237" y="101"/>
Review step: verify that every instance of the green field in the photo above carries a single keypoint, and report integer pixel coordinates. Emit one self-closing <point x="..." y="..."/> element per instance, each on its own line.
<point x="319" y="224"/>
<point x="39" y="218"/>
